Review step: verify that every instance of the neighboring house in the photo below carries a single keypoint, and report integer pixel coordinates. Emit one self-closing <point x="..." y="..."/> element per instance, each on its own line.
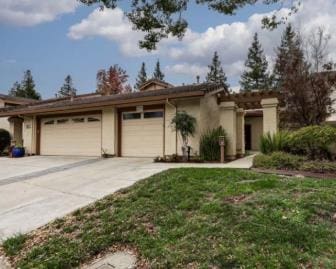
<point x="139" y="124"/>
<point x="10" y="101"/>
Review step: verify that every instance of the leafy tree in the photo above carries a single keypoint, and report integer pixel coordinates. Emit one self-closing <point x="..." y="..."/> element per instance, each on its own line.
<point x="67" y="89"/>
<point x="112" y="81"/>
<point x="287" y="42"/>
<point x="157" y="72"/>
<point x="26" y="89"/>
<point x="162" y="18"/>
<point x="216" y="73"/>
<point x="185" y="125"/>
<point x="255" y="77"/>
<point x="142" y="77"/>
<point x="306" y="94"/>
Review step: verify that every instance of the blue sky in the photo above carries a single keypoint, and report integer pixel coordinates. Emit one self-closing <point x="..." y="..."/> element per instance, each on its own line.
<point x="50" y="50"/>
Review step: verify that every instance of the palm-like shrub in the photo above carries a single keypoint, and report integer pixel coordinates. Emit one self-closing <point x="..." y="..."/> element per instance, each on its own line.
<point x="5" y="139"/>
<point x="274" y="142"/>
<point x="209" y="144"/>
<point x="185" y="125"/>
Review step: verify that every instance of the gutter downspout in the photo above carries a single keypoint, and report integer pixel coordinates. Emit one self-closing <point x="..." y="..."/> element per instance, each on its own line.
<point x="174" y="106"/>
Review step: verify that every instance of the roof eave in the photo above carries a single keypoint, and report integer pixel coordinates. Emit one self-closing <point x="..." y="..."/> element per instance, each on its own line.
<point x="101" y="104"/>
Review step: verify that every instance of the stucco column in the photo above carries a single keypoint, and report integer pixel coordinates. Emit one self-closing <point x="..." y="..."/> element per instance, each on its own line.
<point x="240" y="132"/>
<point x="271" y="117"/>
<point x="109" y="131"/>
<point x="228" y="120"/>
<point x="15" y="126"/>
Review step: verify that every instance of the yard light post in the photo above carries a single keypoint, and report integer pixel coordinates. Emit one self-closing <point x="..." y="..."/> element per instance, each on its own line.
<point x="222" y="145"/>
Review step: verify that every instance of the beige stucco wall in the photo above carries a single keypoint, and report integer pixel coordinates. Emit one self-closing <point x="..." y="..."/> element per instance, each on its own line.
<point x="4" y="124"/>
<point x="256" y="130"/>
<point x="209" y="113"/>
<point x="109" y="126"/>
<point x="170" y="134"/>
<point x="29" y="135"/>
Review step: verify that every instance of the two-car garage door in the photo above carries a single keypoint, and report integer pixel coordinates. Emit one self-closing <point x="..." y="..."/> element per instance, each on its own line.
<point x="76" y="135"/>
<point x="142" y="134"/>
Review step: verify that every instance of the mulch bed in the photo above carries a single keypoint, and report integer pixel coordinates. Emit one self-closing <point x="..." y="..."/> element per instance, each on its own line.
<point x="296" y="173"/>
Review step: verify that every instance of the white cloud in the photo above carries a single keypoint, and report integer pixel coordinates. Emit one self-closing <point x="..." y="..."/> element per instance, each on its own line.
<point x="187" y="69"/>
<point x="33" y="12"/>
<point x="110" y="24"/>
<point x="191" y="56"/>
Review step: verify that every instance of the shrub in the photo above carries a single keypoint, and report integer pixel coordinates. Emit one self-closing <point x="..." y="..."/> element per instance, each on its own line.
<point x="5" y="139"/>
<point x="319" y="167"/>
<point x="274" y="142"/>
<point x="278" y="160"/>
<point x="313" y="141"/>
<point x="209" y="144"/>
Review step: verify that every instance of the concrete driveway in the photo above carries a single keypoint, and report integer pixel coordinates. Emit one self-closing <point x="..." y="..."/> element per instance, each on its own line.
<point x="36" y="190"/>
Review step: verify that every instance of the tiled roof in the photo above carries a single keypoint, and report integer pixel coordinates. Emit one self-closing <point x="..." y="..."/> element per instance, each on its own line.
<point x="110" y="99"/>
<point x="18" y="99"/>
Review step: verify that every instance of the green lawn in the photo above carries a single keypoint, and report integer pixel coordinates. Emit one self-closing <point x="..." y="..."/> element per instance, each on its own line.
<point x="197" y="218"/>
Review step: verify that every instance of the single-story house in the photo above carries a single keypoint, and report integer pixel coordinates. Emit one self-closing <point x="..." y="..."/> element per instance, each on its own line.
<point x="10" y="101"/>
<point x="138" y="124"/>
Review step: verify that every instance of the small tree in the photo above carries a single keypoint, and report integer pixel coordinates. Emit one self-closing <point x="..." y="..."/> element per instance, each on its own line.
<point x="157" y="72"/>
<point x="255" y="77"/>
<point x="216" y="73"/>
<point x="185" y="125"/>
<point x="142" y="77"/>
<point x="112" y="81"/>
<point x="67" y="89"/>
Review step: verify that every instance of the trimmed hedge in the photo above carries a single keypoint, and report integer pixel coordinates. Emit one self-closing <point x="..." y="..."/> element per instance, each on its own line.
<point x="313" y="141"/>
<point x="319" y="167"/>
<point x="278" y="160"/>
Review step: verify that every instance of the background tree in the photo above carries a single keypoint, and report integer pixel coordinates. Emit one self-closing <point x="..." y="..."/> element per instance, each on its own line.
<point x="67" y="89"/>
<point x="157" y="72"/>
<point x="159" y="19"/>
<point x="318" y="49"/>
<point x="185" y="125"/>
<point x="112" y="81"/>
<point x="255" y="76"/>
<point x="306" y="94"/>
<point x="142" y="77"/>
<point x="26" y="89"/>
<point x="287" y="42"/>
<point x="216" y="73"/>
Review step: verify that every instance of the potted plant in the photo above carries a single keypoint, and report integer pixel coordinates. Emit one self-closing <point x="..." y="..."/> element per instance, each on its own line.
<point x="18" y="151"/>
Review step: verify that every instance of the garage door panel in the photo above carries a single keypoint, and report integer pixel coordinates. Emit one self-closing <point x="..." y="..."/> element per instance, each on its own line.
<point x="142" y="137"/>
<point x="71" y="138"/>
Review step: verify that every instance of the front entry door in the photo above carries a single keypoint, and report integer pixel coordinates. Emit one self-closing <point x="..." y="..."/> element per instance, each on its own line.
<point x="248" y="137"/>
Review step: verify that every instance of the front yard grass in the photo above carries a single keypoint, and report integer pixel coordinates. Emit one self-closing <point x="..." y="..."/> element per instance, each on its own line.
<point x="197" y="218"/>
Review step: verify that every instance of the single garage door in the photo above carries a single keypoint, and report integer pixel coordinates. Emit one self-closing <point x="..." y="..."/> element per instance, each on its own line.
<point x="77" y="135"/>
<point x="142" y="134"/>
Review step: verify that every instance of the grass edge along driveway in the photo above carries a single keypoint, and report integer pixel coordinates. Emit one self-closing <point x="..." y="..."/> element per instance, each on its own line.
<point x="196" y="218"/>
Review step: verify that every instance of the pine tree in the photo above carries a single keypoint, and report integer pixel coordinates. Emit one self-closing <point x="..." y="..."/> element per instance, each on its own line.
<point x="287" y="42"/>
<point x="157" y="72"/>
<point x="216" y="73"/>
<point x="67" y="89"/>
<point x="255" y="77"/>
<point x="16" y="90"/>
<point x="26" y="89"/>
<point x="142" y="77"/>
